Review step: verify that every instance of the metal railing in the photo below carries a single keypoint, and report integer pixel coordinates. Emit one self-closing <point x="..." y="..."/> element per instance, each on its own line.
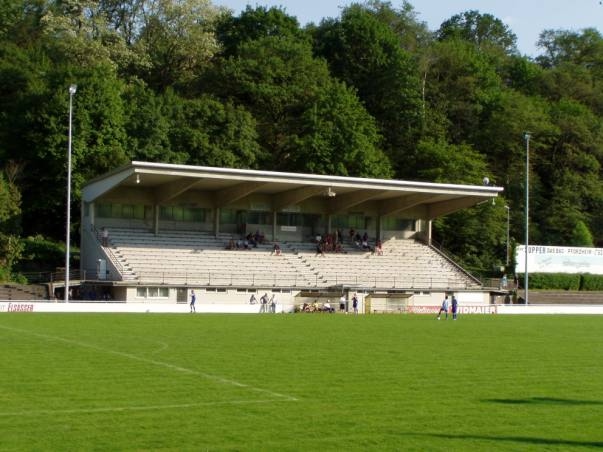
<point x="223" y="279"/>
<point x="108" y="252"/>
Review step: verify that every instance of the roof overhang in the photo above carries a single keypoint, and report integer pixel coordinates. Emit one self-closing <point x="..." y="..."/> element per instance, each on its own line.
<point x="165" y="182"/>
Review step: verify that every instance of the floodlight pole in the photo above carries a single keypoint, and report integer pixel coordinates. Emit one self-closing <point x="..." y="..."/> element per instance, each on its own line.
<point x="72" y="90"/>
<point x="508" y="224"/>
<point x="527" y="136"/>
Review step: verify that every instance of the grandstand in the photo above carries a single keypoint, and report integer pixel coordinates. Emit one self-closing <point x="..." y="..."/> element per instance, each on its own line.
<point x="197" y="258"/>
<point x="171" y="226"/>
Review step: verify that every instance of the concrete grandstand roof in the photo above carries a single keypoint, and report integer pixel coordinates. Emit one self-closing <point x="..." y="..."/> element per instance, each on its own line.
<point x="165" y="182"/>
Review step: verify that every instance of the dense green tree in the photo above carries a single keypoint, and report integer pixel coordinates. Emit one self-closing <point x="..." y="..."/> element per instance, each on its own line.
<point x="371" y="93"/>
<point x="581" y="235"/>
<point x="476" y="237"/>
<point x="366" y="54"/>
<point x="98" y="140"/>
<point x="10" y="221"/>
<point x="126" y="17"/>
<point x="302" y="115"/>
<point x="255" y="23"/>
<point x="502" y="130"/>
<point x="178" y="41"/>
<point x="75" y="32"/>
<point x="438" y="161"/>
<point x="20" y="21"/>
<point x="212" y="133"/>
<point x="462" y="88"/>
<point x="570" y="171"/>
<point x="522" y="74"/>
<point x="147" y="124"/>
<point x="413" y="34"/>
<point x="482" y="30"/>
<point x="338" y="136"/>
<point x="17" y="76"/>
<point x="583" y="47"/>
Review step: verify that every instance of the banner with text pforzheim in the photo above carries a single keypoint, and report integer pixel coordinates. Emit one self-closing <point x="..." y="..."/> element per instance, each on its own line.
<point x="560" y="259"/>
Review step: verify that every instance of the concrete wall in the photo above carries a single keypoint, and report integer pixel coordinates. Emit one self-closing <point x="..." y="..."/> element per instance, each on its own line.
<point x="29" y="307"/>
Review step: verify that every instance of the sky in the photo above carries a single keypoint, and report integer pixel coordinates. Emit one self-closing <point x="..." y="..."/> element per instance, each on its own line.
<point x="526" y="18"/>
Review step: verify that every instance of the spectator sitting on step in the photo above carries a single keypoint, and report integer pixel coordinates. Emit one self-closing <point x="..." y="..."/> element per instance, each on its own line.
<point x="231" y="244"/>
<point x="251" y="240"/>
<point x="320" y="250"/>
<point x="364" y="244"/>
<point x="379" y="248"/>
<point x="357" y="239"/>
<point x="276" y="249"/>
<point x="259" y="237"/>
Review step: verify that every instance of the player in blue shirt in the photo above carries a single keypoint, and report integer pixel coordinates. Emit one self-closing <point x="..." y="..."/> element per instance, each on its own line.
<point x="193" y="299"/>
<point x="455" y="307"/>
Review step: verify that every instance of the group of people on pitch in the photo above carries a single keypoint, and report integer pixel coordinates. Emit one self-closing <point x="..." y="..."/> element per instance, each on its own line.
<point x="452" y="306"/>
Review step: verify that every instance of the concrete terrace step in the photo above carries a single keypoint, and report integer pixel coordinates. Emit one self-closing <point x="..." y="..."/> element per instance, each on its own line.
<point x="177" y="255"/>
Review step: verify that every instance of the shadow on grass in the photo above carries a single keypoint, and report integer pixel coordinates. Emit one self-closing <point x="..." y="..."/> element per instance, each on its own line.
<point x="516" y="439"/>
<point x="545" y="401"/>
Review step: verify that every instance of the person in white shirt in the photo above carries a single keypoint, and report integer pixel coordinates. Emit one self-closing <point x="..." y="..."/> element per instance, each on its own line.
<point x="444" y="308"/>
<point x="342" y="303"/>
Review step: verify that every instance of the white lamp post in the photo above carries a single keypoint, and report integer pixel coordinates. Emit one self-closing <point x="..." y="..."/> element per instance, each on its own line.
<point x="527" y="136"/>
<point x="508" y="223"/>
<point x="72" y="90"/>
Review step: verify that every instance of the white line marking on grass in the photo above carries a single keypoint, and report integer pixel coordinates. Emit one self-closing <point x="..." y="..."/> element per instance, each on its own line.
<point x="132" y="408"/>
<point x="216" y="378"/>
<point x="163" y="347"/>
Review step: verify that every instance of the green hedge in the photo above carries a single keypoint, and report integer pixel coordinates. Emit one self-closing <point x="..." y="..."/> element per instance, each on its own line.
<point x="591" y="282"/>
<point x="41" y="254"/>
<point x="564" y="281"/>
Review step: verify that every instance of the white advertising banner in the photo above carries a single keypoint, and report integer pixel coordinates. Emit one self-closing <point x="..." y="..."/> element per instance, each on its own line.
<point x="560" y="259"/>
<point x="90" y="307"/>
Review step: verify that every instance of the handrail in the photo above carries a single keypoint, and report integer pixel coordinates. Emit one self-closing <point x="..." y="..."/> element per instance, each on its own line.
<point x="448" y="256"/>
<point x="107" y="250"/>
<point x="225" y="279"/>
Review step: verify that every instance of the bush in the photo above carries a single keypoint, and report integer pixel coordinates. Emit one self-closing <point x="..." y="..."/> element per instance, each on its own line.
<point x="41" y="254"/>
<point x="564" y="281"/>
<point x="553" y="281"/>
<point x="591" y="282"/>
<point x="4" y="274"/>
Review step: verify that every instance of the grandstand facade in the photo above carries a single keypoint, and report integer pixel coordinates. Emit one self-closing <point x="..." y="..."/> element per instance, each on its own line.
<point x="174" y="228"/>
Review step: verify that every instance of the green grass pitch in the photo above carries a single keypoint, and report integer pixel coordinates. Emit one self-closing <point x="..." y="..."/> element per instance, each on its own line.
<point x="300" y="382"/>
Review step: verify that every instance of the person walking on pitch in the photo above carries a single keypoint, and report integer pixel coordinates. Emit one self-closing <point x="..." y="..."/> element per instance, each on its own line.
<point x="193" y="299"/>
<point x="455" y="307"/>
<point x="444" y="308"/>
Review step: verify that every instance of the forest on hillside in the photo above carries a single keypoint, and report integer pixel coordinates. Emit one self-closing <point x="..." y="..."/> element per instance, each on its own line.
<point x="371" y="93"/>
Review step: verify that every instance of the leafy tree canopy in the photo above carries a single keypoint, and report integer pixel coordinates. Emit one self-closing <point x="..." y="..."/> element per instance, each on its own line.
<point x="483" y="30"/>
